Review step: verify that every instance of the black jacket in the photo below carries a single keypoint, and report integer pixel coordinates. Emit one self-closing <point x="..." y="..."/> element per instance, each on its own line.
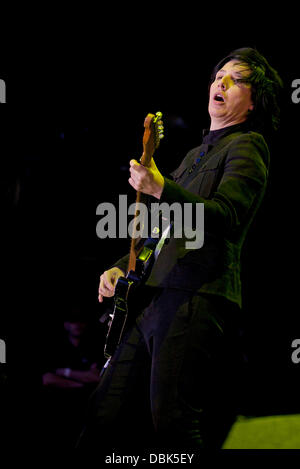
<point x="230" y="179"/>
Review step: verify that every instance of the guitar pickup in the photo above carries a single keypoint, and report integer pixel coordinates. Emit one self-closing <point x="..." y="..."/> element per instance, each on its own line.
<point x="145" y="254"/>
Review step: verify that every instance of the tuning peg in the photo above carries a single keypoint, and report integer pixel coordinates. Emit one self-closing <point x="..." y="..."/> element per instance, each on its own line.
<point x="158" y="115"/>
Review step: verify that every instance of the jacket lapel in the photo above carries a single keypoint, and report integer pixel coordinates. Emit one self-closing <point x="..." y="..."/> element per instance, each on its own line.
<point x="212" y="150"/>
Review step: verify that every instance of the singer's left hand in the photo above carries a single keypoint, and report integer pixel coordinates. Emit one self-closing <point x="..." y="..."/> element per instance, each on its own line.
<point x="147" y="180"/>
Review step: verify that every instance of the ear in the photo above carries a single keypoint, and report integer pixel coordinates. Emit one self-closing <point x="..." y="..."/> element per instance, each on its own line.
<point x="251" y="107"/>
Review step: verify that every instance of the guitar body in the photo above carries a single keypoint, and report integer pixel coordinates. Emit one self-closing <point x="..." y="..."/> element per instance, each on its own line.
<point x="125" y="309"/>
<point x="119" y="317"/>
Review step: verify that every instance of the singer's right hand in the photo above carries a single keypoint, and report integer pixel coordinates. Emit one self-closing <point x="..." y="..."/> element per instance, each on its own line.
<point x="108" y="281"/>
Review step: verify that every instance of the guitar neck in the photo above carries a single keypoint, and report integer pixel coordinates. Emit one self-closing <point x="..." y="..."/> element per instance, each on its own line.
<point x="135" y="246"/>
<point x="152" y="135"/>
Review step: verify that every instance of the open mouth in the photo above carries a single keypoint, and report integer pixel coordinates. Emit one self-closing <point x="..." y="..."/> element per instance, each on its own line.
<point x="219" y="98"/>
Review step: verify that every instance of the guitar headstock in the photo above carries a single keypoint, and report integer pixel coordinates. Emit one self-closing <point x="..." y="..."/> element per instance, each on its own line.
<point x="158" y="128"/>
<point x="153" y="134"/>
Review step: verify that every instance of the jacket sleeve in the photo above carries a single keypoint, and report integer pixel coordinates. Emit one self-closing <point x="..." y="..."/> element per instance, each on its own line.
<point x="122" y="263"/>
<point x="243" y="179"/>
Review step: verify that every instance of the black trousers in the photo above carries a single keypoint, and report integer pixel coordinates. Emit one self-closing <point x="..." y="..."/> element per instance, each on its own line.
<point x="171" y="382"/>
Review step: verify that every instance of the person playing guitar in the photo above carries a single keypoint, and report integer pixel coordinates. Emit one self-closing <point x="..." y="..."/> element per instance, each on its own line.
<point x="170" y="381"/>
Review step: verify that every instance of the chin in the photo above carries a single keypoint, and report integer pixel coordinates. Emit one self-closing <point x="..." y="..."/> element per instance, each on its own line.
<point x="217" y="115"/>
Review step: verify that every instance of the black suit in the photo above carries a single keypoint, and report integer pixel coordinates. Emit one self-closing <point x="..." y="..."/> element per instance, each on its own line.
<point x="230" y="180"/>
<point x="183" y="346"/>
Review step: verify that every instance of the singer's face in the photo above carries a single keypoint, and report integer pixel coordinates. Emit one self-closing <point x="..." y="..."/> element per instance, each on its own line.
<point x="229" y="100"/>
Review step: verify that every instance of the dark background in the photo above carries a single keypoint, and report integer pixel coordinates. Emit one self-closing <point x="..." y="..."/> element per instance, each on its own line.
<point x="68" y="131"/>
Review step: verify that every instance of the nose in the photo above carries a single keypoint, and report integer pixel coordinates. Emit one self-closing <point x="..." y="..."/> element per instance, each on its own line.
<point x="222" y="84"/>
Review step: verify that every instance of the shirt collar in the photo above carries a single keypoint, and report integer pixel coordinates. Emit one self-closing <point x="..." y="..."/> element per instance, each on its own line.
<point x="211" y="137"/>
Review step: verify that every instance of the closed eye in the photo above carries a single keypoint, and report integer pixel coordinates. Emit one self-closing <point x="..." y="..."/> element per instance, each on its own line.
<point x="235" y="79"/>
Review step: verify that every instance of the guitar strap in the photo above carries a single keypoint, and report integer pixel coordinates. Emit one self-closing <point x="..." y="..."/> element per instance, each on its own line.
<point x="162" y="241"/>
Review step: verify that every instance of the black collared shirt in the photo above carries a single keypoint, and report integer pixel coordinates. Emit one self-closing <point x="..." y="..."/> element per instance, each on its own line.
<point x="211" y="137"/>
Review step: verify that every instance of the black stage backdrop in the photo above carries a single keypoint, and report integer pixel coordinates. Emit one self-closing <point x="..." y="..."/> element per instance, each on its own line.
<point x="68" y="131"/>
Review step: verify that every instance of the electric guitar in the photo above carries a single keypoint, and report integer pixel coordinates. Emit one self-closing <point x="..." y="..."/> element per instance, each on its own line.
<point x="141" y="255"/>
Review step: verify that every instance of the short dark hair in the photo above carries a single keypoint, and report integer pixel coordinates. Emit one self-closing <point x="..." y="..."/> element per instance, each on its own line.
<point x="266" y="86"/>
